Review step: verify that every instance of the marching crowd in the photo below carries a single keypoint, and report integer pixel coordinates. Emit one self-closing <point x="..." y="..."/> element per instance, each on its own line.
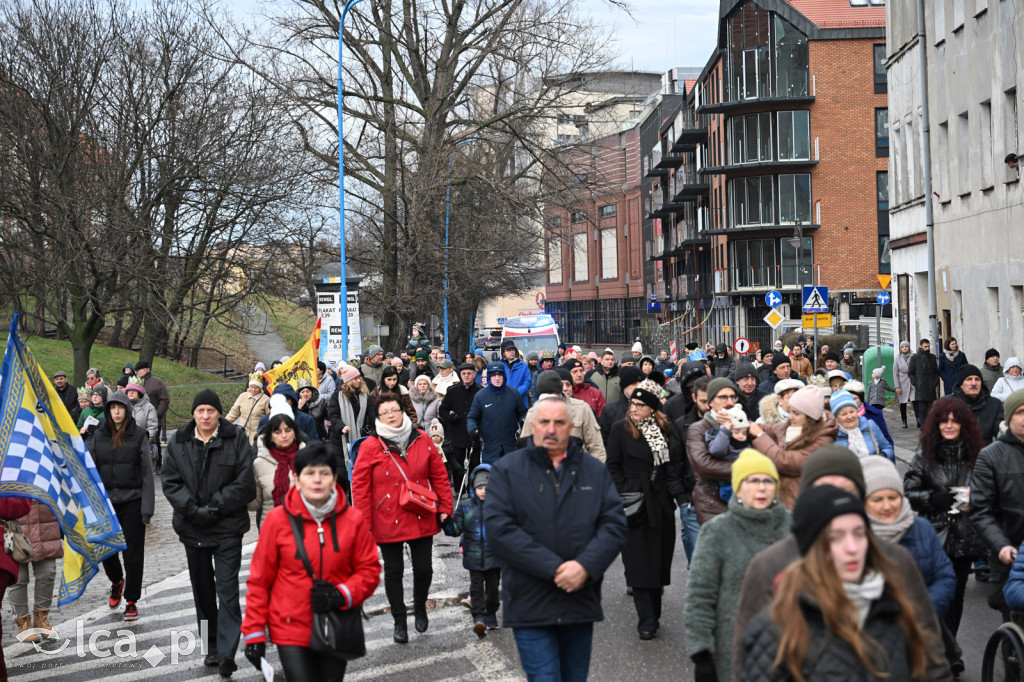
<point x="808" y="555"/>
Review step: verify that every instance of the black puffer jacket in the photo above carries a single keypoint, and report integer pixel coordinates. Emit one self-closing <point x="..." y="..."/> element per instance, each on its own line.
<point x="829" y="657"/>
<point x="722" y="366"/>
<point x="923" y="480"/>
<point x="997" y="493"/>
<point x="987" y="410"/>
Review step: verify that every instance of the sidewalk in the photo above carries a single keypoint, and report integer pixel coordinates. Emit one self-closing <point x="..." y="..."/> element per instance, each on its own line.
<point x="905" y="439"/>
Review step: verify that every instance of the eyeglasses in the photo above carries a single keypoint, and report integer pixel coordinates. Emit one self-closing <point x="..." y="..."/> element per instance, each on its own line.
<point x="767" y="482"/>
<point x="389" y="413"/>
<point x="731" y="397"/>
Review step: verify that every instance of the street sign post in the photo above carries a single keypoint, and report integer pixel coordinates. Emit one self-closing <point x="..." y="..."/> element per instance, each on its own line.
<point x="773" y="298"/>
<point x="883" y="298"/>
<point x="741" y="346"/>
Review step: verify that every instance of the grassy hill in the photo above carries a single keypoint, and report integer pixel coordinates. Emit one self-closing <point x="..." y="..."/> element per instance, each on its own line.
<point x="182" y="382"/>
<point x="292" y="321"/>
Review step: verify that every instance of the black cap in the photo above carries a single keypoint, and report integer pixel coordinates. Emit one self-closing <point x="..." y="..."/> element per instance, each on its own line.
<point x="549" y="381"/>
<point x="967" y="371"/>
<point x="629" y="375"/>
<point x="467" y="365"/>
<point x="508" y="343"/>
<point x="207" y="397"/>
<point x="142" y="364"/>
<point x="816" y="507"/>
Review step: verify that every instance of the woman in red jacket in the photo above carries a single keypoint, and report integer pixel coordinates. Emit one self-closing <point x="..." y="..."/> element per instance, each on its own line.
<point x="278" y="581"/>
<point x="397" y="452"/>
<point x="10" y="508"/>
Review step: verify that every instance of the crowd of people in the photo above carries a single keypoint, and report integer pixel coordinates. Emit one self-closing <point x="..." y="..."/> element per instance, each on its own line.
<point x="800" y="535"/>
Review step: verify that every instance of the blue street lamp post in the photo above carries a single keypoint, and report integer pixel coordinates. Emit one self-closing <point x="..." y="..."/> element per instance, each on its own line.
<point x="447" y="221"/>
<point x="343" y="297"/>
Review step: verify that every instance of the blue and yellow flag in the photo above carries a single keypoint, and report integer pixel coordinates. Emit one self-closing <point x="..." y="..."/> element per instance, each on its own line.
<point x="43" y="457"/>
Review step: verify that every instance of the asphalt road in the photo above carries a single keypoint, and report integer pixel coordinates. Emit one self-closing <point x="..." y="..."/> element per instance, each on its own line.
<point x="447" y="651"/>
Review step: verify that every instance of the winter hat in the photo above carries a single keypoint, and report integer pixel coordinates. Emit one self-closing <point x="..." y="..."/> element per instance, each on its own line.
<point x="480" y="477"/>
<point x="435" y="428"/>
<point x="656" y="376"/>
<point x="907" y="344"/>
<point x="122" y="382"/>
<point x="837" y="374"/>
<point x="738" y="417"/>
<point x="841" y="399"/>
<point x="626" y="356"/>
<point x="751" y="462"/>
<point x="809" y="401"/>
<point x="832" y="460"/>
<point x="816" y="507"/>
<point x="373" y="350"/>
<point x="279" y="405"/>
<point x="563" y="375"/>
<point x="1012" y="402"/>
<point x="718" y="385"/>
<point x="744" y="370"/>
<point x="508" y="344"/>
<point x="548" y="381"/>
<point x="421" y="377"/>
<point x="967" y="371"/>
<point x="855" y="387"/>
<point x="135" y="384"/>
<point x="880" y="474"/>
<point x="592" y="355"/>
<point x="833" y="356"/>
<point x="877" y="372"/>
<point x="571" y="364"/>
<point x="348" y="373"/>
<point x="532" y="355"/>
<point x="260" y="367"/>
<point x="422" y="354"/>
<point x="102" y="390"/>
<point x="60" y="373"/>
<point x="780" y="359"/>
<point x="467" y="365"/>
<point x="637" y="348"/>
<point x="649" y="393"/>
<point x="497" y="368"/>
<point x="991" y="353"/>
<point x="787" y="385"/>
<point x="207" y="397"/>
<point x="446" y="364"/>
<point x="143" y="365"/>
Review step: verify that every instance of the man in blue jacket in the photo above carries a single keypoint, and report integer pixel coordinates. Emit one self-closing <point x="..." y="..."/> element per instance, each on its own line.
<point x="554" y="520"/>
<point x="518" y="375"/>
<point x="496" y="414"/>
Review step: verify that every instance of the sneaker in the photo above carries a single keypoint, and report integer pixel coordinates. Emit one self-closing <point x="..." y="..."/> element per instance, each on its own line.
<point x="115" y="593"/>
<point x="131" y="612"/>
<point x="480" y="628"/>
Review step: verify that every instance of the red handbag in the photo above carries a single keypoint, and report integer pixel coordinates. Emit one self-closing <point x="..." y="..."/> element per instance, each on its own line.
<point x="413" y="497"/>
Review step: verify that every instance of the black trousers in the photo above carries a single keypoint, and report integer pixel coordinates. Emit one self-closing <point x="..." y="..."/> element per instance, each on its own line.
<point x="302" y="663"/>
<point x="921" y="409"/>
<point x="456" y="464"/>
<point x="214" y="575"/>
<point x="129" y="515"/>
<point x="648" y="608"/>
<point x="962" y="569"/>
<point x="483" y="592"/>
<point x="394" y="568"/>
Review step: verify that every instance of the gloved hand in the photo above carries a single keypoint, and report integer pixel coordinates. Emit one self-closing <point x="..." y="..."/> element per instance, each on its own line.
<point x="942" y="499"/>
<point x="474" y="434"/>
<point x="254" y="652"/>
<point x="454" y="417"/>
<point x="704" y="667"/>
<point x="326" y="597"/>
<point x="206" y="516"/>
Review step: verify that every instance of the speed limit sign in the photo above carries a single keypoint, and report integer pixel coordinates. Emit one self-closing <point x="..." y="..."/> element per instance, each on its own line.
<point x="741" y="346"/>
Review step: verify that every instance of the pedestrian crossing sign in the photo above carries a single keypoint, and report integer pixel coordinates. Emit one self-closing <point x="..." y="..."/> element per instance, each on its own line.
<point x="815" y="299"/>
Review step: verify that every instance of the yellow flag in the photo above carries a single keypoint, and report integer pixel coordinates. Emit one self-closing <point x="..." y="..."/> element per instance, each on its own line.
<point x="302" y="365"/>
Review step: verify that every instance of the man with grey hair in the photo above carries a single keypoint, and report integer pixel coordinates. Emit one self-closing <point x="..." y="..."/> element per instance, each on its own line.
<point x="373" y="364"/>
<point x="551" y="384"/>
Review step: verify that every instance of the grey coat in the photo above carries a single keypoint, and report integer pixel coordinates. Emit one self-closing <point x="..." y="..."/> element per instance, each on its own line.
<point x="901" y="375"/>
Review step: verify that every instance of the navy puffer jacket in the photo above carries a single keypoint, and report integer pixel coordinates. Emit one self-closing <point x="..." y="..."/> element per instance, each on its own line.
<point x="923" y="544"/>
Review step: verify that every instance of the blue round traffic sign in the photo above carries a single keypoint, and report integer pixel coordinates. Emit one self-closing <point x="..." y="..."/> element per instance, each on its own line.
<point x="883" y="298"/>
<point x="773" y="298"/>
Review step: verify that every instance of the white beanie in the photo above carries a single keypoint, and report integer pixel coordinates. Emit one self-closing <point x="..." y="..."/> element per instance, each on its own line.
<point x="637" y="348"/>
<point x="279" y="405"/>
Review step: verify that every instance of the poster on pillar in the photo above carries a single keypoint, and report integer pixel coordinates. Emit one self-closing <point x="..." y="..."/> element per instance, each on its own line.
<point x="330" y="326"/>
<point x="355" y="335"/>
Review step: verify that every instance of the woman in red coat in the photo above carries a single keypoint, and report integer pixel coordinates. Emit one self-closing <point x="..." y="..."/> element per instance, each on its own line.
<point x="278" y="581"/>
<point x="377" y="480"/>
<point x="10" y="508"/>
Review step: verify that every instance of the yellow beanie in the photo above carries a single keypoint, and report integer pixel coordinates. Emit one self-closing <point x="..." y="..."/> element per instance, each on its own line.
<point x="751" y="462"/>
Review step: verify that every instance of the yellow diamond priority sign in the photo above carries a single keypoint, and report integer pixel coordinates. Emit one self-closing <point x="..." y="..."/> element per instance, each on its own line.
<point x="774" y="318"/>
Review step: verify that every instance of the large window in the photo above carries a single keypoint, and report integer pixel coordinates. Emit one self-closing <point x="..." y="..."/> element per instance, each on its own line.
<point x="581" y="273"/>
<point x="792" y="60"/>
<point x="752" y="201"/>
<point x="879" y="60"/>
<point x="751" y="138"/>
<point x="555" y="261"/>
<point x="609" y="254"/>
<point x="749" y="58"/>
<point x="797" y="261"/>
<point x="794" y="136"/>
<point x="606" y="211"/>
<point x="795" y="198"/>
<point x="882" y="131"/>
<point x="754" y="263"/>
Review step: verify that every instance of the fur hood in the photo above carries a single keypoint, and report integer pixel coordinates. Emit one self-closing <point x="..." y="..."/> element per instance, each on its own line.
<point x="770" y="411"/>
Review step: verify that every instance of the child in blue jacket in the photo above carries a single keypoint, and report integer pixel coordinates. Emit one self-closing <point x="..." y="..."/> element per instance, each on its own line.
<point x="483" y="567"/>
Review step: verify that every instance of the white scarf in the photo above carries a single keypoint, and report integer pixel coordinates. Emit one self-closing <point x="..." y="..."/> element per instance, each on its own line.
<point x="399" y="436"/>
<point x="321" y="512"/>
<point x="651" y="432"/>
<point x="792" y="433"/>
<point x="856" y="442"/>
<point x="862" y="594"/>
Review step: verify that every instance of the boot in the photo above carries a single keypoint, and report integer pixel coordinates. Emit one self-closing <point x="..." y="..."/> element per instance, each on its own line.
<point x="24" y="623"/>
<point x="421" y="621"/>
<point x="42" y="621"/>
<point x="401" y="632"/>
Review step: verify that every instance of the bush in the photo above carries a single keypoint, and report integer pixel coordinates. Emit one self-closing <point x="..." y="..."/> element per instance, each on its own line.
<point x="833" y="341"/>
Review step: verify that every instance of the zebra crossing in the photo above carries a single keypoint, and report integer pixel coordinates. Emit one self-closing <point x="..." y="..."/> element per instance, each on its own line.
<point x="165" y="645"/>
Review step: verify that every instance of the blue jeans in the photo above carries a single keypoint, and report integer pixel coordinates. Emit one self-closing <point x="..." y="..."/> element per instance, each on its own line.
<point x="559" y="653"/>
<point x="689" y="531"/>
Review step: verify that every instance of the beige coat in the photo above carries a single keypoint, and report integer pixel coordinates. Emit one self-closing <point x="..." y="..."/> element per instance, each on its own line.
<point x="584" y="427"/>
<point x="248" y="410"/>
<point x="263" y="468"/>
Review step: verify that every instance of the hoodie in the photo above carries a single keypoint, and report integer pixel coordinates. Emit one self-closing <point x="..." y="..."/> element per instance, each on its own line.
<point x="1009" y="383"/>
<point x="496" y="413"/>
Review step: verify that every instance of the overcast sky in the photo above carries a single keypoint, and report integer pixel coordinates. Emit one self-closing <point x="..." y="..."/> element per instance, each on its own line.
<point x="662" y="33"/>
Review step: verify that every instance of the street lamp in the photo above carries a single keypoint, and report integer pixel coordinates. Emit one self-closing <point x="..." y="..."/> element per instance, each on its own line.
<point x="797" y="242"/>
<point x="447" y="220"/>
<point x="343" y="296"/>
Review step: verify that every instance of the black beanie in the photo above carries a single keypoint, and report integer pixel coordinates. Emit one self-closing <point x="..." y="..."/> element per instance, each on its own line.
<point x="207" y="397"/>
<point x="655" y="376"/>
<point x="967" y="371"/>
<point x="563" y="373"/>
<point x="991" y="353"/>
<point x="744" y="370"/>
<point x="832" y="460"/>
<point x="629" y="375"/>
<point x="816" y="507"/>
<point x="780" y="359"/>
<point x="548" y="381"/>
